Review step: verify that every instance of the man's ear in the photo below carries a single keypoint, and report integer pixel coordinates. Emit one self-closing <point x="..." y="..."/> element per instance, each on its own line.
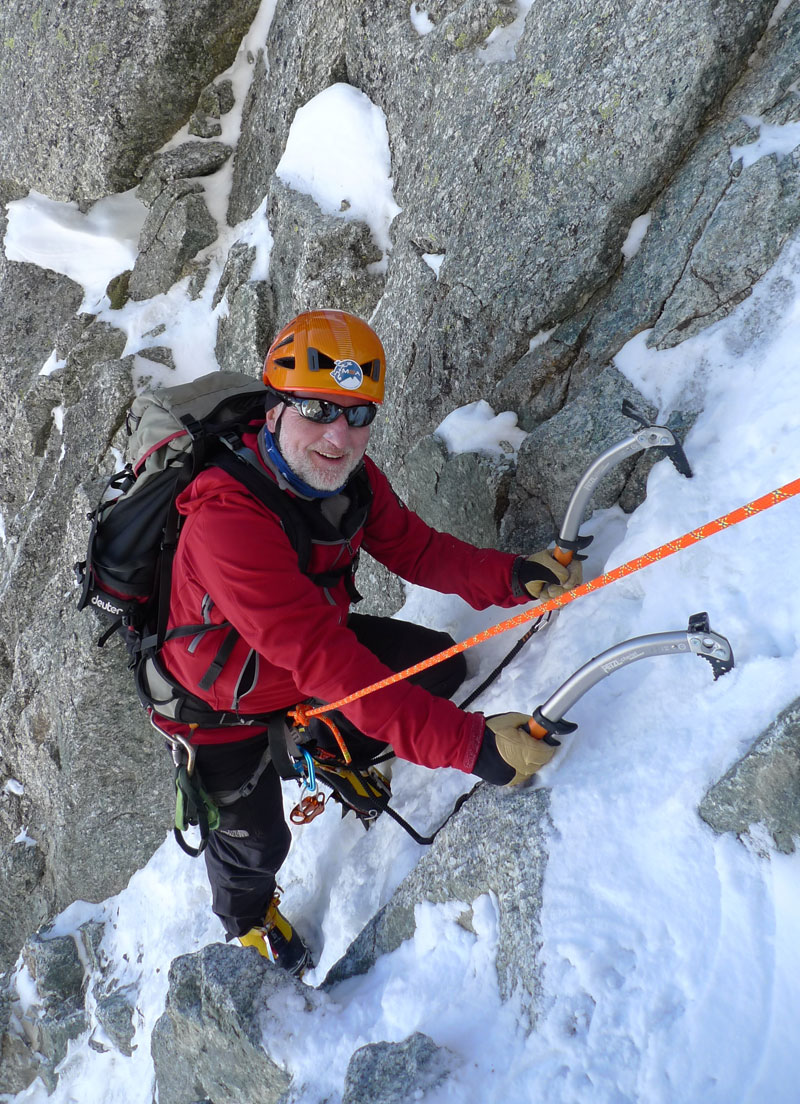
<point x="273" y="415"/>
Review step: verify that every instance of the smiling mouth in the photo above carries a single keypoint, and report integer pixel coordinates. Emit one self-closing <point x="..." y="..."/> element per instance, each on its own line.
<point x="328" y="456"/>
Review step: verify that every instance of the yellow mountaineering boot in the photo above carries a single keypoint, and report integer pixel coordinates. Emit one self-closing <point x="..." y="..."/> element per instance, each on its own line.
<point x="277" y="941"/>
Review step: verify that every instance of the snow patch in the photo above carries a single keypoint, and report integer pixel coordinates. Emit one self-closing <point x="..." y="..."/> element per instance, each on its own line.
<point x="24" y="838"/>
<point x="89" y="248"/>
<point x="639" y="227"/>
<point x="434" y="261"/>
<point x="338" y="153"/>
<point x="12" y="786"/>
<point x="52" y="364"/>
<point x="476" y="428"/>
<point x="780" y="140"/>
<point x="501" y="44"/>
<point x="541" y="338"/>
<point x="421" y="21"/>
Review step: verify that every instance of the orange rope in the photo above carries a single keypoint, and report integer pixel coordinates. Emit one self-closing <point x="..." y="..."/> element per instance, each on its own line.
<point x="788" y="490"/>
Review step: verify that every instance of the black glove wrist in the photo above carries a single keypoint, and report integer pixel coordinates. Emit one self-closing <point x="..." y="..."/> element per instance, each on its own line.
<point x="490" y="764"/>
<point x="528" y="571"/>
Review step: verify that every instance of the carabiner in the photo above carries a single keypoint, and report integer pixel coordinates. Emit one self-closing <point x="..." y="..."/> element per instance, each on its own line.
<point x="307" y="774"/>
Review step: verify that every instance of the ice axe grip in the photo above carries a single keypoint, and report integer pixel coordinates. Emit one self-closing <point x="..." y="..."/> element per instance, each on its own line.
<point x="536" y="730"/>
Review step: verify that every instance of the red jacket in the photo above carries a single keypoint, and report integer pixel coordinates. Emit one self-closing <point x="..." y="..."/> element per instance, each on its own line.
<point x="233" y="550"/>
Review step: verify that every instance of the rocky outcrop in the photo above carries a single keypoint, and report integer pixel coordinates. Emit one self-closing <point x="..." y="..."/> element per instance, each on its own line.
<point x="318" y="258"/>
<point x="393" y="1073"/>
<point x="93" y="87"/>
<point x="763" y="788"/>
<point x="462" y="864"/>
<point x="525" y="173"/>
<point x="93" y="800"/>
<point x="208" y="1043"/>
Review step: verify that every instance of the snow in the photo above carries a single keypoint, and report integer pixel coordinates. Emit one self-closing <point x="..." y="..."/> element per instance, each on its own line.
<point x="476" y="428"/>
<point x="13" y="786"/>
<point x="338" y="153"/>
<point x="421" y="20"/>
<point x="669" y="955"/>
<point x="501" y="44"/>
<point x="52" y="364"/>
<point x="90" y="248"/>
<point x="780" y="140"/>
<point x="639" y="227"/>
<point x="434" y="262"/>
<point x="541" y="338"/>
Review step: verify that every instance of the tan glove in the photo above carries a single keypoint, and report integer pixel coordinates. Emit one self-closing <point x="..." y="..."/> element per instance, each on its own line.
<point x="574" y="578"/>
<point x="539" y="571"/>
<point x="517" y="747"/>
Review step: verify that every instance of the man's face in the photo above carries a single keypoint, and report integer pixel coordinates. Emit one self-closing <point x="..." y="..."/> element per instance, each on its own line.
<point x="322" y="455"/>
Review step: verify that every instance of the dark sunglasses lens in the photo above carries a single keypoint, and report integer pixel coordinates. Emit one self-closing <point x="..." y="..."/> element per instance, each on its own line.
<point x="317" y="410"/>
<point x="323" y="412"/>
<point x="360" y="416"/>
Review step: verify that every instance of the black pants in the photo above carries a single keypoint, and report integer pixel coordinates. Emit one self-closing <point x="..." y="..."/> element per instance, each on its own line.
<point x="252" y="841"/>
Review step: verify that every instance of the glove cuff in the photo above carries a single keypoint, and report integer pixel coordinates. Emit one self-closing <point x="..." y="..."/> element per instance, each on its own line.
<point x="490" y="764"/>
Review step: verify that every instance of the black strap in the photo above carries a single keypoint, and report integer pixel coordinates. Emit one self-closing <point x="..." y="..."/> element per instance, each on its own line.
<point x="228" y="797"/>
<point x="189" y="468"/>
<point x="278" y="732"/>
<point x="220" y="659"/>
<point x="243" y="465"/>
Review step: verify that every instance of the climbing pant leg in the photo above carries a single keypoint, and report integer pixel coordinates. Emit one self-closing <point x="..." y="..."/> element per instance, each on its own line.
<point x="398" y="644"/>
<point x="246" y="851"/>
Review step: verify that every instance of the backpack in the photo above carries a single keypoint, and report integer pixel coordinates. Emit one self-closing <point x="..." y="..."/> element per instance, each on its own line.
<point x="174" y="434"/>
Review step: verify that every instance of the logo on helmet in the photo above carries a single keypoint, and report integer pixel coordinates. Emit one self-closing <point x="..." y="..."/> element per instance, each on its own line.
<point x="348" y="374"/>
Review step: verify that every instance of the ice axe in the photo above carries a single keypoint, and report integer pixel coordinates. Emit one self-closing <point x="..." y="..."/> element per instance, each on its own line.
<point x="647" y="436"/>
<point x="569" y="542"/>
<point x="548" y="718"/>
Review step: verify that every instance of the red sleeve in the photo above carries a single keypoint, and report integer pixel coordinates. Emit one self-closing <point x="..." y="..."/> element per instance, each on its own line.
<point x="246" y="562"/>
<point x="401" y="540"/>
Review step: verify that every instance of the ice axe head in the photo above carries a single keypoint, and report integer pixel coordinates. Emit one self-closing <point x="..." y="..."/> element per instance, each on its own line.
<point x="673" y="450"/>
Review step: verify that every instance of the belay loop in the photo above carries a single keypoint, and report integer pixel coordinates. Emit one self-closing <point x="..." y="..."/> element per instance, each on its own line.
<point x="300" y="715"/>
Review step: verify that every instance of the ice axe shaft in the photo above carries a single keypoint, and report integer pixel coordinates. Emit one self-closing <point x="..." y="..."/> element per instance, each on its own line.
<point x="646" y="437"/>
<point x="697" y="639"/>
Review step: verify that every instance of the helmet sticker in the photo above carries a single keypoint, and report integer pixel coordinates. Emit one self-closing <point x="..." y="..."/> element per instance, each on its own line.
<point x="348" y="374"/>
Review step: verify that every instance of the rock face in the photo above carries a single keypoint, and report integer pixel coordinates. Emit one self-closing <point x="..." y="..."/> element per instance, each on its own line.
<point x="552" y="154"/>
<point x="393" y="1073"/>
<point x="763" y="787"/>
<point x="208" y="1042"/>
<point x="462" y="864"/>
<point x="94" y="800"/>
<point x="97" y="84"/>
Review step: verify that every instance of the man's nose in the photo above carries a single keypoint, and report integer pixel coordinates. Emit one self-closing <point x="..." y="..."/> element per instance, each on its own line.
<point x="338" y="432"/>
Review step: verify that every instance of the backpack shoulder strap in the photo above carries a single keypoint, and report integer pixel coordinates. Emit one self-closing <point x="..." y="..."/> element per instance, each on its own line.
<point x="243" y="465"/>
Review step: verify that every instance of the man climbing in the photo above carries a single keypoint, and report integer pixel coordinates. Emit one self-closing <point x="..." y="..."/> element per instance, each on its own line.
<point x="295" y="638"/>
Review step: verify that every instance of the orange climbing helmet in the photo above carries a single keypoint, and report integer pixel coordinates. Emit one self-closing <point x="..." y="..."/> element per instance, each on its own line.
<point x="327" y="353"/>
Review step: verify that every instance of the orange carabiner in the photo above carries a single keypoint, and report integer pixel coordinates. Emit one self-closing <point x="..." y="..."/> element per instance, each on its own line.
<point x="309" y="808"/>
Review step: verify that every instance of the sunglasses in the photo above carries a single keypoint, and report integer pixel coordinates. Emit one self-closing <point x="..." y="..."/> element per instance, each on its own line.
<point x="324" y="412"/>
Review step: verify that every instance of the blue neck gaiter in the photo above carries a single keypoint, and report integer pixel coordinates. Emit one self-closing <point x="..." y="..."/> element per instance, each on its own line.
<point x="295" y="482"/>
